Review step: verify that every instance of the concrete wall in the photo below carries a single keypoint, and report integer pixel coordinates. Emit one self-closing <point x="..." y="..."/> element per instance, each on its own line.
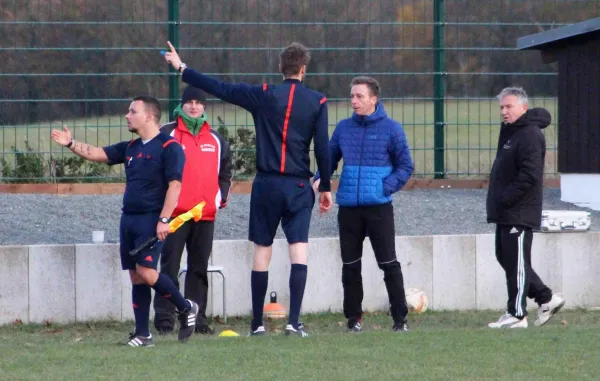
<point x="66" y="283"/>
<point x="580" y="189"/>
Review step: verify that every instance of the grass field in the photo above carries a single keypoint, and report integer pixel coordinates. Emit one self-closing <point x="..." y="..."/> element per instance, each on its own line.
<point x="440" y="346"/>
<point x="470" y="139"/>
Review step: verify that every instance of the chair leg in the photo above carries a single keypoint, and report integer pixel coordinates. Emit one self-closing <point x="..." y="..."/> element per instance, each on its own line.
<point x="184" y="271"/>
<point x="224" y="303"/>
<point x="181" y="284"/>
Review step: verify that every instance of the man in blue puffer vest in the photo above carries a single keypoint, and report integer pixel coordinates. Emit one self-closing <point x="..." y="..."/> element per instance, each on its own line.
<point x="377" y="163"/>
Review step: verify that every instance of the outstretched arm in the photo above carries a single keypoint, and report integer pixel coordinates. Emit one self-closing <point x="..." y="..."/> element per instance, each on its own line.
<point x="239" y="94"/>
<point x="243" y="95"/>
<point x="84" y="150"/>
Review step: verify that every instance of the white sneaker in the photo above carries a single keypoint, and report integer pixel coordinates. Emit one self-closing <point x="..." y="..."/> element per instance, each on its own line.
<point x="547" y="310"/>
<point x="509" y="321"/>
<point x="260" y="331"/>
<point x="290" y="330"/>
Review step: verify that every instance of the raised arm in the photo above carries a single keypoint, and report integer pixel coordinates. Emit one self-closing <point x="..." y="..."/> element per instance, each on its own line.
<point x="84" y="150"/>
<point x="243" y="95"/>
<point x="239" y="94"/>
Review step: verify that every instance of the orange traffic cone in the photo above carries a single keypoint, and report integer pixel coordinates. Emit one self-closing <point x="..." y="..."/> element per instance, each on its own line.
<point x="274" y="310"/>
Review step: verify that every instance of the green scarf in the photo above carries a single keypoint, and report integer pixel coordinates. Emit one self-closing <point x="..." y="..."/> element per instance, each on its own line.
<point x="193" y="124"/>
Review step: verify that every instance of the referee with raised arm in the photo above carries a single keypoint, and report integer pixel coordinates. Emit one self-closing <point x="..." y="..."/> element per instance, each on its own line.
<point x="286" y="116"/>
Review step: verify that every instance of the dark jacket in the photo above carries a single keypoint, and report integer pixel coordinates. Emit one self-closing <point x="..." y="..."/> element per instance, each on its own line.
<point x="515" y="191"/>
<point x="287" y="117"/>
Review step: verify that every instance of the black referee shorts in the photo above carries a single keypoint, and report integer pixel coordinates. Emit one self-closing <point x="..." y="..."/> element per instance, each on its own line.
<point x="284" y="199"/>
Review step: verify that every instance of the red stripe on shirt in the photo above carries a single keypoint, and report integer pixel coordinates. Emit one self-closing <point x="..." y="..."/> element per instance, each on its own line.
<point x="285" y="126"/>
<point x="265" y="86"/>
<point x="323" y="100"/>
<point x="169" y="142"/>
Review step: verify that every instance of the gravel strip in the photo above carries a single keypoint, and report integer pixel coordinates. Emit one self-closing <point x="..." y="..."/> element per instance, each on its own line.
<point x="48" y="219"/>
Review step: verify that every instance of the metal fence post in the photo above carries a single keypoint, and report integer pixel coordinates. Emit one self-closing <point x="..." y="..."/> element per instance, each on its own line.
<point x="173" y="6"/>
<point x="438" y="90"/>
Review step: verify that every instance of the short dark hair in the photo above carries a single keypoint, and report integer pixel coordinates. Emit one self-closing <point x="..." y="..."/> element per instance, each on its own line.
<point x="371" y="83"/>
<point x="151" y="104"/>
<point x="292" y="58"/>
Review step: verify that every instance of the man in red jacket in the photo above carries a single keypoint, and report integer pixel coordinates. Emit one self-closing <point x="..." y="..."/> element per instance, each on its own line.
<point x="206" y="177"/>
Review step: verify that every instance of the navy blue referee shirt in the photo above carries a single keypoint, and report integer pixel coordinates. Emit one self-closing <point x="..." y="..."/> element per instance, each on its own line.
<point x="286" y="116"/>
<point x="149" y="167"/>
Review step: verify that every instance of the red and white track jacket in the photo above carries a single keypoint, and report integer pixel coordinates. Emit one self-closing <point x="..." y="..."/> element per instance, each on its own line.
<point x="207" y="170"/>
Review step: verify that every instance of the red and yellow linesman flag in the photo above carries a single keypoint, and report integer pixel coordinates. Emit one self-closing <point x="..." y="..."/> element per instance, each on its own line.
<point x="194" y="213"/>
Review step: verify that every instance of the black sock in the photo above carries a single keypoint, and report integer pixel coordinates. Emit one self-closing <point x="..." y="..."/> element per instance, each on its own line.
<point x="165" y="287"/>
<point x="258" y="283"/>
<point x="141" y="296"/>
<point x="297" y="285"/>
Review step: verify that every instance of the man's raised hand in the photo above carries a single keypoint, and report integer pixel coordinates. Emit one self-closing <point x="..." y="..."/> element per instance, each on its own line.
<point x="61" y="137"/>
<point x="172" y="57"/>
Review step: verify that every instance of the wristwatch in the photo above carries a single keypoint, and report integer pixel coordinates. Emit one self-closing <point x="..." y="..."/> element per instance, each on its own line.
<point x="70" y="144"/>
<point x="164" y="220"/>
<point x="182" y="67"/>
